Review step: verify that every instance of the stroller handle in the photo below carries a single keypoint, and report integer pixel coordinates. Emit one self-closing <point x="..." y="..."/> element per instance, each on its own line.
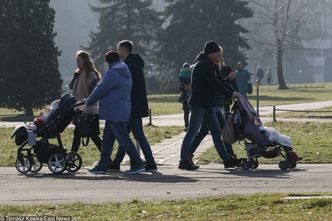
<point x="79" y="104"/>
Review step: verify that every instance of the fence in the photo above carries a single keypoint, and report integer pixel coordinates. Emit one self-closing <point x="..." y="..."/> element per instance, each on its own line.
<point x="298" y="111"/>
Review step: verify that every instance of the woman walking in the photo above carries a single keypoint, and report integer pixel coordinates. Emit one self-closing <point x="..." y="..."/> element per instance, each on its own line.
<point x="85" y="79"/>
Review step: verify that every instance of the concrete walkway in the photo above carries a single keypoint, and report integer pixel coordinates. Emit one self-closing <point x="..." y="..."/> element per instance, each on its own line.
<point x="169" y="183"/>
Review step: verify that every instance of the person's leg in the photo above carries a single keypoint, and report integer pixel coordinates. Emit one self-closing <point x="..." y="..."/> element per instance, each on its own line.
<point x="107" y="147"/>
<point x="137" y="130"/>
<point x="119" y="156"/>
<point x="97" y="141"/>
<point x="203" y="131"/>
<point x="120" y="131"/>
<point x="210" y="119"/>
<point x="76" y="141"/>
<point x="186" y="111"/>
<point x="195" y="122"/>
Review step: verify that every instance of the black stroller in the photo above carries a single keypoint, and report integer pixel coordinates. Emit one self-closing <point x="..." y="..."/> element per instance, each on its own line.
<point x="31" y="158"/>
<point x="257" y="141"/>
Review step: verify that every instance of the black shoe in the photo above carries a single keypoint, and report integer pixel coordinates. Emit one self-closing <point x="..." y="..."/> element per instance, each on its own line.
<point x="231" y="163"/>
<point x="151" y="167"/>
<point x="187" y="165"/>
<point x="113" y="167"/>
<point x="192" y="162"/>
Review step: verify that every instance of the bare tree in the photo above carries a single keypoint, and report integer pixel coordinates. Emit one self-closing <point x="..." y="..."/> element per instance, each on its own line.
<point x="282" y="21"/>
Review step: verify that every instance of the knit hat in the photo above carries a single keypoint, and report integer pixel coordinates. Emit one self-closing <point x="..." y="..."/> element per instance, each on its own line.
<point x="211" y="47"/>
<point x="186" y="65"/>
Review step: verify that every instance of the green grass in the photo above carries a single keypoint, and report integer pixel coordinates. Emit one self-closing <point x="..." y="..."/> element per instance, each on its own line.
<point x="162" y="104"/>
<point x="306" y="114"/>
<point x="232" y="208"/>
<point x="297" y="93"/>
<point x="310" y="140"/>
<point x="89" y="154"/>
<point x="269" y="95"/>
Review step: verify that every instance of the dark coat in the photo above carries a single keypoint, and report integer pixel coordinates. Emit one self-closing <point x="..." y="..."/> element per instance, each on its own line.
<point x="139" y="101"/>
<point x="205" y="83"/>
<point x="222" y="97"/>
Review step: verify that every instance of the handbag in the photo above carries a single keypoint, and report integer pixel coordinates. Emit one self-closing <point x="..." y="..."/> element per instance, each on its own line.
<point x="228" y="131"/>
<point x="88" y="124"/>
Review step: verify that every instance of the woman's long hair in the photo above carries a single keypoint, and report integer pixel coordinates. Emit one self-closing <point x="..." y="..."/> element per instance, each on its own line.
<point x="88" y="64"/>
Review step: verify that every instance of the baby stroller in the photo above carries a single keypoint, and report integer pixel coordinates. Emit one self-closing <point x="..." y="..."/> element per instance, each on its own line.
<point x="259" y="141"/>
<point x="32" y="153"/>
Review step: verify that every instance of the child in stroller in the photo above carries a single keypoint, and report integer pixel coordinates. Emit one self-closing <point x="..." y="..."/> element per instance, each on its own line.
<point x="31" y="154"/>
<point x="259" y="141"/>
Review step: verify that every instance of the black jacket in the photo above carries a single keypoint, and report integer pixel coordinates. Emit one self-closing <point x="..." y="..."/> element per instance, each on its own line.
<point x="207" y="84"/>
<point x="139" y="101"/>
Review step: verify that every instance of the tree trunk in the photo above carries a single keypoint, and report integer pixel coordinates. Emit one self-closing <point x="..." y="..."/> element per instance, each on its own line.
<point x="281" y="80"/>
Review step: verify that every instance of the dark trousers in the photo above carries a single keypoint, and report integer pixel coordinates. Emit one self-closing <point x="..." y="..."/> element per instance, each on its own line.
<point x="77" y="141"/>
<point x="118" y="131"/>
<point x="136" y="127"/>
<point x="198" y="115"/>
<point x="204" y="130"/>
<point x="186" y="111"/>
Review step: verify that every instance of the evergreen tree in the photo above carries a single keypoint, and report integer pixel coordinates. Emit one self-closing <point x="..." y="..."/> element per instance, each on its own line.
<point x="193" y="22"/>
<point x="29" y="76"/>
<point x="124" y="19"/>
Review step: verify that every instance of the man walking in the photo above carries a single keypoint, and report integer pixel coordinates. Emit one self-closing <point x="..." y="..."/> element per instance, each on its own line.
<point x="139" y="105"/>
<point x="205" y="86"/>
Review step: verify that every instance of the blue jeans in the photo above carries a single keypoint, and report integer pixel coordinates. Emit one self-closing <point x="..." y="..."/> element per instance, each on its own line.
<point x="198" y="115"/>
<point x="205" y="130"/>
<point x="118" y="131"/>
<point x="136" y="126"/>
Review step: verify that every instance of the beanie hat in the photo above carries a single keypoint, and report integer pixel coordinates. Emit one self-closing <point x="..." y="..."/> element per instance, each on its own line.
<point x="211" y="47"/>
<point x="186" y="65"/>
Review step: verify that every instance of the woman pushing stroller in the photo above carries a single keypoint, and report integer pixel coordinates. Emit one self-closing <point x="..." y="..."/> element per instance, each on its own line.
<point x="85" y="79"/>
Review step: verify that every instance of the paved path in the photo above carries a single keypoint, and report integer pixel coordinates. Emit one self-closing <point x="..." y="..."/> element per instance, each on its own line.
<point x="167" y="184"/>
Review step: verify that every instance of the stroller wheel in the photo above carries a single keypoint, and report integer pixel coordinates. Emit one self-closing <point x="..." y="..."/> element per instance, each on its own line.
<point x="254" y="164"/>
<point x="74" y="162"/>
<point x="57" y="163"/>
<point x="36" y="165"/>
<point x="23" y="164"/>
<point x="284" y="165"/>
<point x="246" y="165"/>
<point x="292" y="164"/>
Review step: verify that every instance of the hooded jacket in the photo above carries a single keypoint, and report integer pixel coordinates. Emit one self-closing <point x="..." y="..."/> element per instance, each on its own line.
<point x="113" y="93"/>
<point x="206" y="83"/>
<point x="139" y="101"/>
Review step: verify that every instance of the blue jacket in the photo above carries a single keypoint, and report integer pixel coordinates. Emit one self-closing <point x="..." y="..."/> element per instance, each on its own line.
<point x="113" y="93"/>
<point x="242" y="78"/>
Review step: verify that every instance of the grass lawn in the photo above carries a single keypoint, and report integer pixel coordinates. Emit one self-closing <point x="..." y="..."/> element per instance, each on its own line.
<point x="314" y="114"/>
<point x="311" y="140"/>
<point x="269" y="95"/>
<point x="297" y="93"/>
<point x="231" y="208"/>
<point x="89" y="154"/>
<point x="162" y="104"/>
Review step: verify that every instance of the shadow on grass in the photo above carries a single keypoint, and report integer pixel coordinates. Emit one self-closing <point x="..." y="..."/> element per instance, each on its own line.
<point x="146" y="177"/>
